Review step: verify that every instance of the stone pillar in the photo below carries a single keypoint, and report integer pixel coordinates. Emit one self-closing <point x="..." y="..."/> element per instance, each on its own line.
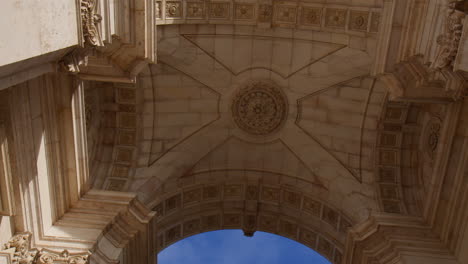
<point x="58" y="219"/>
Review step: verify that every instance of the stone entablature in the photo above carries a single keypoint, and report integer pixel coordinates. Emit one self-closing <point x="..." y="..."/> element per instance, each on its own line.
<point x="286" y="14"/>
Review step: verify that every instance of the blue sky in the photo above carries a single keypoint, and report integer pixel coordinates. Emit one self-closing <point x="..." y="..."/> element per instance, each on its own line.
<point x="232" y="247"/>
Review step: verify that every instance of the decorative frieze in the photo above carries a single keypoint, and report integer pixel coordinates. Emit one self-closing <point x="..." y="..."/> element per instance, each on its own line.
<point x="355" y="20"/>
<point x="196" y="10"/>
<point x="20" y="247"/>
<point x="388" y="165"/>
<point x="336" y="18"/>
<point x="265" y="13"/>
<point x="359" y="20"/>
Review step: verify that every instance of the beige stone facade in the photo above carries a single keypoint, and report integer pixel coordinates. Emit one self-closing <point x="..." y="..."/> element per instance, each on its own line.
<point x="126" y="126"/>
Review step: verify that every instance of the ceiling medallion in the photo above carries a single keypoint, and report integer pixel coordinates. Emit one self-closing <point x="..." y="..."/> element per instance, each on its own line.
<point x="260" y="108"/>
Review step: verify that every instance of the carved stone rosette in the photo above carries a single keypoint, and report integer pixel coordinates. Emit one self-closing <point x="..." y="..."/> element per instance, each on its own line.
<point x="260" y="108"/>
<point x="23" y="254"/>
<point x="449" y="41"/>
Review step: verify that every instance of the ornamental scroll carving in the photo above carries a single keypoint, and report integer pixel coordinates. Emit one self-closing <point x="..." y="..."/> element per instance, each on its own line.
<point x="24" y="254"/>
<point x="449" y="41"/>
<point x="90" y="20"/>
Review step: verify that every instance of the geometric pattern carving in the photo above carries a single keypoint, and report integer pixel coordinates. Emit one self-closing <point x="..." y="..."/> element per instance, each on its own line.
<point x="325" y="248"/>
<point x="280" y="14"/>
<point x="292" y="198"/>
<point x="309" y="238"/>
<point x="311" y="206"/>
<point x="388" y="149"/>
<point x="173" y="9"/>
<point x="288" y="229"/>
<point x="220" y="10"/>
<point x="335" y="18"/>
<point x="270" y="194"/>
<point x="244" y="11"/>
<point x="259" y="108"/>
<point x="359" y="20"/>
<point x="285" y="14"/>
<point x="311" y="16"/>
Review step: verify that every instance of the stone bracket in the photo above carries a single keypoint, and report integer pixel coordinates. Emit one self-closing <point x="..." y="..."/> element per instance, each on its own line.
<point x="412" y="81"/>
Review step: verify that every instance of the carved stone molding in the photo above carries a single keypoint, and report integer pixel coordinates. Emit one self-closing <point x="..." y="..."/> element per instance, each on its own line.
<point x="75" y="59"/>
<point x="117" y="41"/>
<point x="386" y="238"/>
<point x="449" y="40"/>
<point x="413" y="81"/>
<point x="353" y="20"/>
<point x="90" y="20"/>
<point x="20" y="247"/>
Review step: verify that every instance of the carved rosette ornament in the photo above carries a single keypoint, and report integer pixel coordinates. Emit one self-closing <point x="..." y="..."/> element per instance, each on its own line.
<point x="259" y="108"/>
<point x="449" y="41"/>
<point x="23" y="254"/>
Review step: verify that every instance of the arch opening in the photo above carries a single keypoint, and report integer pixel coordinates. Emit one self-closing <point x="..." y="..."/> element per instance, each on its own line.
<point x="232" y="246"/>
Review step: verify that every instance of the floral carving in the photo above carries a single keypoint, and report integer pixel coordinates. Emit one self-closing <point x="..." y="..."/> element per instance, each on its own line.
<point x="90" y="19"/>
<point x="265" y="13"/>
<point x="173" y="9"/>
<point x="259" y="108"/>
<point x="22" y="245"/>
<point x="311" y="16"/>
<point x="335" y="18"/>
<point x="219" y="10"/>
<point x="244" y="11"/>
<point x="195" y="10"/>
<point x="286" y="14"/>
<point x="450" y="40"/>
<point x="359" y="20"/>
<point x="25" y="255"/>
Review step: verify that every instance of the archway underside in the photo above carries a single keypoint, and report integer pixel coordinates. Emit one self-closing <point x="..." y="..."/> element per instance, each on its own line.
<point x="285" y="207"/>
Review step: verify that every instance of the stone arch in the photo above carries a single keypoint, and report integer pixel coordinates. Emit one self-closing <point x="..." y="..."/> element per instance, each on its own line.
<point x="250" y="201"/>
<point x="406" y="148"/>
